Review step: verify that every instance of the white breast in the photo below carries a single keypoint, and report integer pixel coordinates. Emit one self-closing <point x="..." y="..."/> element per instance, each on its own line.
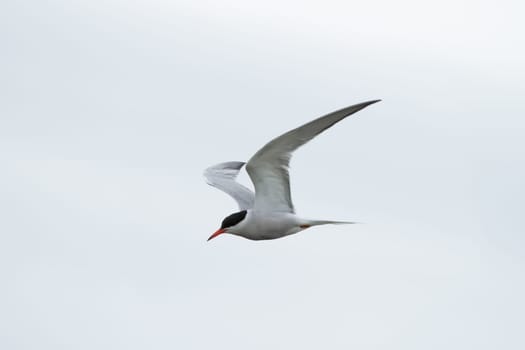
<point x="267" y="225"/>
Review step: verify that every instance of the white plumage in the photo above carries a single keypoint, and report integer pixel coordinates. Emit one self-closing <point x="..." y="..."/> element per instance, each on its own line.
<point x="270" y="213"/>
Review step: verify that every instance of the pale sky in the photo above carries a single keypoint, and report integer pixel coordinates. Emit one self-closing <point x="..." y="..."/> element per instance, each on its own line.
<point x="110" y="111"/>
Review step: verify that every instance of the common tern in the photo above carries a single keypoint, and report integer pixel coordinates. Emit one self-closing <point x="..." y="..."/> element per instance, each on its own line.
<point x="269" y="213"/>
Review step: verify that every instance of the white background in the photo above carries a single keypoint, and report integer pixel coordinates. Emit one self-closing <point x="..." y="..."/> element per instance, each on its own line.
<point x="110" y="110"/>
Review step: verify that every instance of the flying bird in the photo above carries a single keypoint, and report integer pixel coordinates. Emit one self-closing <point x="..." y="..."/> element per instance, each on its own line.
<point x="269" y="213"/>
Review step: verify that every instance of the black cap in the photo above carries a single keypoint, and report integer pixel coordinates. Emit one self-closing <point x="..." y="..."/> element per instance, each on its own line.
<point x="233" y="219"/>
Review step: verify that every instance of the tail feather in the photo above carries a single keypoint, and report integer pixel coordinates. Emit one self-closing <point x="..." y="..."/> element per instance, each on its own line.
<point x="329" y="222"/>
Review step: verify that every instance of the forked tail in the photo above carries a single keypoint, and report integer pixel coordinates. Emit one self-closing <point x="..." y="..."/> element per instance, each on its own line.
<point x="327" y="222"/>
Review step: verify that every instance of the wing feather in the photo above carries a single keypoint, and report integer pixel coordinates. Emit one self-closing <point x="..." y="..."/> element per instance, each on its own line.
<point x="223" y="175"/>
<point x="268" y="168"/>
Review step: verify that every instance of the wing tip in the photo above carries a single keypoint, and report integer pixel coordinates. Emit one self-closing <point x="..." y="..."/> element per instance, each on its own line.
<point x="371" y="102"/>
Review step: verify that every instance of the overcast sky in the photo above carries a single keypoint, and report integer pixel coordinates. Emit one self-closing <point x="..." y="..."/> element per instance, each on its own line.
<point x="110" y="110"/>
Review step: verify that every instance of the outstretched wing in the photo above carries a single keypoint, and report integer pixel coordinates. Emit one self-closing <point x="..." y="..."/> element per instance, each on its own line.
<point x="268" y="168"/>
<point x="222" y="176"/>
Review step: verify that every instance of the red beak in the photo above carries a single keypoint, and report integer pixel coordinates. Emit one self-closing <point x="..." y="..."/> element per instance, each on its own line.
<point x="218" y="232"/>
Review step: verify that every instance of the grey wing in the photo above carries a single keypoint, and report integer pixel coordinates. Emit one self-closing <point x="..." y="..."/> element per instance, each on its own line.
<point x="268" y="168"/>
<point x="223" y="175"/>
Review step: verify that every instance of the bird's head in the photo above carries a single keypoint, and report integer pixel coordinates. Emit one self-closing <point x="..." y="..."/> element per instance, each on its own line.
<point x="230" y="223"/>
